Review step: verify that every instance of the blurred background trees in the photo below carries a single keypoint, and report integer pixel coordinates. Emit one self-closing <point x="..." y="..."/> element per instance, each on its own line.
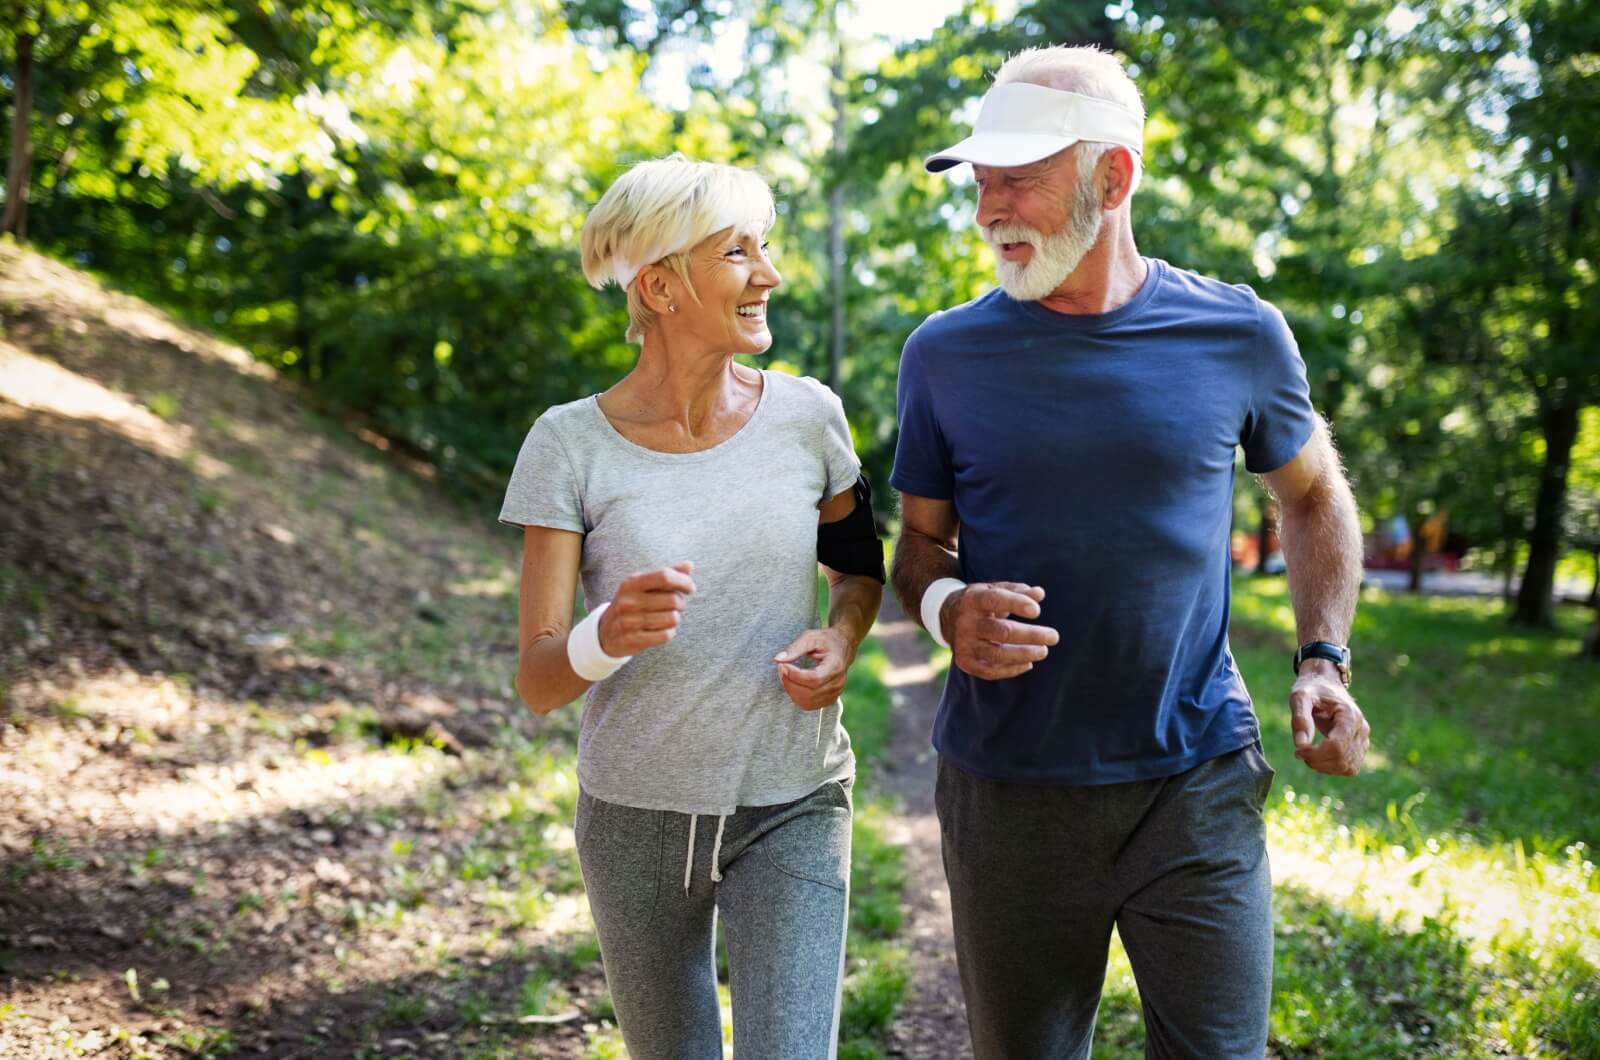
<point x="383" y="200"/>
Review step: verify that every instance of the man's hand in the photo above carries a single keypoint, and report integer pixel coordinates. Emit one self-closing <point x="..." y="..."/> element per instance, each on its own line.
<point x="984" y="642"/>
<point x="646" y="609"/>
<point x="819" y="686"/>
<point x="1319" y="702"/>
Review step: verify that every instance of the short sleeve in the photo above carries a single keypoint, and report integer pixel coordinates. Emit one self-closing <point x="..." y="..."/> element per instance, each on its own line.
<point x="1281" y="418"/>
<point x="543" y="490"/>
<point x="838" y="452"/>
<point x="921" y="457"/>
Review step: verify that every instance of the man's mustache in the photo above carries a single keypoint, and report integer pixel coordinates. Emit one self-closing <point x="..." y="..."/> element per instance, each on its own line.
<point x="994" y="235"/>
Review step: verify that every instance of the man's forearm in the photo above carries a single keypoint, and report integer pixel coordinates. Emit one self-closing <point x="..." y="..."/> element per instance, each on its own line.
<point x="1321" y="534"/>
<point x="919" y="561"/>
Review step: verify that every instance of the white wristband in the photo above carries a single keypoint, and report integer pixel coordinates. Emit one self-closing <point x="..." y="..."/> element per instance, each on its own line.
<point x="933" y="600"/>
<point x="589" y="661"/>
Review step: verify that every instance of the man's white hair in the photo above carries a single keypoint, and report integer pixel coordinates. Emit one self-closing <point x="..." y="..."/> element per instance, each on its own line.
<point x="659" y="209"/>
<point x="1083" y="69"/>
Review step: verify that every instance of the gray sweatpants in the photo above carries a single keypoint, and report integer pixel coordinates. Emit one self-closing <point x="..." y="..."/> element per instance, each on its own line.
<point x="1038" y="876"/>
<point x="779" y="876"/>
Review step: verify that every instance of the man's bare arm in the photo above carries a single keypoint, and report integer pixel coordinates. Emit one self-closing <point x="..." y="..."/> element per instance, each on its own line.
<point x="1321" y="534"/>
<point x="975" y="621"/>
<point x="925" y="550"/>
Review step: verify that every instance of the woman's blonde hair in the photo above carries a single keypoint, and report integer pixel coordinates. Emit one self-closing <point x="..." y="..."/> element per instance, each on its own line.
<point x="659" y="209"/>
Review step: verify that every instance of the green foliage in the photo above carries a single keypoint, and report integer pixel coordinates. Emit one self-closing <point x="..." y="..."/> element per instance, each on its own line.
<point x="536" y="992"/>
<point x="383" y="199"/>
<point x="403" y="1008"/>
<point x="872" y="991"/>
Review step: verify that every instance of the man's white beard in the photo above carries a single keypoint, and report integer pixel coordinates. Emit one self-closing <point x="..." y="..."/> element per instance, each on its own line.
<point x="1054" y="256"/>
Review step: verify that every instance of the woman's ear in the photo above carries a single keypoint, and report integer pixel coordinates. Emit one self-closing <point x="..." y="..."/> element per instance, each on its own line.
<point x="655" y="287"/>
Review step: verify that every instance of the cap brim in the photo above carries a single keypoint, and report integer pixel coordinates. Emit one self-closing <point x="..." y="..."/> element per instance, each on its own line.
<point x="998" y="149"/>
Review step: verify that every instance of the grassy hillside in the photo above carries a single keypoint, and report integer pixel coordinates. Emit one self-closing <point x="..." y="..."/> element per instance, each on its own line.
<point x="266" y="781"/>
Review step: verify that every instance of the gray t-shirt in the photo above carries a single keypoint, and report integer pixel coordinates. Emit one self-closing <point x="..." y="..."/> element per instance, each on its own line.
<point x="700" y="724"/>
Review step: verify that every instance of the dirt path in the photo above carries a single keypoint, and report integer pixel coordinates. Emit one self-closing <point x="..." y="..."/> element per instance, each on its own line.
<point x="931" y="1023"/>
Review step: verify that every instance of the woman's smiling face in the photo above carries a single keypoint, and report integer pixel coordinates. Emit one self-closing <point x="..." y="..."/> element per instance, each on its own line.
<point x="733" y="277"/>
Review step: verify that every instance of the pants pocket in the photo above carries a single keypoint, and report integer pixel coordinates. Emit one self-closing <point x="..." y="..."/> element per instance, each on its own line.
<point x="619" y="851"/>
<point x="814" y="843"/>
<point x="1255" y="758"/>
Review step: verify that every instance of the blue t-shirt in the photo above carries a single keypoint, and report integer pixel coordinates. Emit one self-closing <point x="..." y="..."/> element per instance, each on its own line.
<point x="1093" y="456"/>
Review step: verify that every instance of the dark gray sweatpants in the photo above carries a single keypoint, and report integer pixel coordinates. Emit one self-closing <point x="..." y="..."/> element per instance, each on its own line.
<point x="783" y="888"/>
<point x="1038" y="876"/>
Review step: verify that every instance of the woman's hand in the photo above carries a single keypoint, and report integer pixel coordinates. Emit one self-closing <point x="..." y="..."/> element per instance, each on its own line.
<point x="819" y="686"/>
<point x="645" y="610"/>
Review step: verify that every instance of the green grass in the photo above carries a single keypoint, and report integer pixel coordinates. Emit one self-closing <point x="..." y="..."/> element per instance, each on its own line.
<point x="866" y="707"/>
<point x="877" y="966"/>
<point x="1445" y="902"/>
<point x="163" y="404"/>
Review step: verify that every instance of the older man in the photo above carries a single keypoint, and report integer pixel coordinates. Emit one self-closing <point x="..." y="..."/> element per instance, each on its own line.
<point x="1066" y="460"/>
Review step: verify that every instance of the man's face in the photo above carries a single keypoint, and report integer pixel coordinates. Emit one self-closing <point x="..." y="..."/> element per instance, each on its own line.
<point x="1040" y="219"/>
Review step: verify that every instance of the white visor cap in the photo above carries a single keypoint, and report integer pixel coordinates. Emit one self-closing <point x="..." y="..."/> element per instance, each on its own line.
<point x="1020" y="123"/>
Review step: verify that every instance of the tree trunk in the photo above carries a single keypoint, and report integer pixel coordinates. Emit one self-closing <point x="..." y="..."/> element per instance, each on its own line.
<point x="1536" y="597"/>
<point x="1419" y="553"/>
<point x="1594" y="590"/>
<point x="19" y="168"/>
<point x="1510" y="534"/>
<point x="1591" y="643"/>
<point x="836" y="261"/>
<point x="296" y="196"/>
<point x="1263" y="532"/>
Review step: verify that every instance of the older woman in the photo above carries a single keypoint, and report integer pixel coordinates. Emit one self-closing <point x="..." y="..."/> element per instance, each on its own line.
<point x="714" y="772"/>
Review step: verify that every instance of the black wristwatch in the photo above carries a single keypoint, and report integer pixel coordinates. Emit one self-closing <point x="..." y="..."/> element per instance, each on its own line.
<point x="1337" y="654"/>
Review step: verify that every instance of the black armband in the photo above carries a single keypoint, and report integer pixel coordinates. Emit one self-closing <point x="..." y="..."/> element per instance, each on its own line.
<point x="851" y="545"/>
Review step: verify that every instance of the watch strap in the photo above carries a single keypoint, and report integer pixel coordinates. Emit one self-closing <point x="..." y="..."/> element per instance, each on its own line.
<point x="1337" y="654"/>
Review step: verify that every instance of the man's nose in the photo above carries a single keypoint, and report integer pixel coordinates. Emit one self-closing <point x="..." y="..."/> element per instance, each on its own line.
<point x="992" y="206"/>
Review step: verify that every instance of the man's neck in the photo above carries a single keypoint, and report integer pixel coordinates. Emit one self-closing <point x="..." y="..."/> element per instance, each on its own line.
<point x="1109" y="276"/>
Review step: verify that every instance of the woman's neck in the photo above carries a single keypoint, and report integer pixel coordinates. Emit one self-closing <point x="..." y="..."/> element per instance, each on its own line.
<point x="683" y="400"/>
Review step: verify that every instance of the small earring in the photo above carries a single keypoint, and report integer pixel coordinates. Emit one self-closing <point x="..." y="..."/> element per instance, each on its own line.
<point x="672" y="308"/>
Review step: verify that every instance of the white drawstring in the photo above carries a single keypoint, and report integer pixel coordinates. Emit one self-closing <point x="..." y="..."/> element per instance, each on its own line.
<point x="688" y="862"/>
<point x="716" y="851"/>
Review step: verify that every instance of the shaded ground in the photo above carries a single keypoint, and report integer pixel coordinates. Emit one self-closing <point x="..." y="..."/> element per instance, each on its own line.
<point x="931" y="1021"/>
<point x="266" y="787"/>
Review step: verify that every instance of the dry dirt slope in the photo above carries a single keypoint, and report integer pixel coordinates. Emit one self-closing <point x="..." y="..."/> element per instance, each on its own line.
<point x="265" y="787"/>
